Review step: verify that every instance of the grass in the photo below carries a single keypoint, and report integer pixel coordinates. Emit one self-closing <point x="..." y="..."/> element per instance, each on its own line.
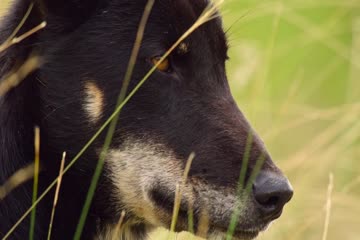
<point x="36" y="181"/>
<point x="295" y="71"/>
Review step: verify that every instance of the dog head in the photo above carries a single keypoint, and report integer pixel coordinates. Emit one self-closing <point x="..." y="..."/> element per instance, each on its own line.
<point x="184" y="107"/>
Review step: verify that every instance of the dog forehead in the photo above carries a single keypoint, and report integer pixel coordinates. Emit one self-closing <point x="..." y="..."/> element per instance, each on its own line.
<point x="168" y="21"/>
<point x="181" y="12"/>
<point x="184" y="13"/>
<point x="174" y="14"/>
<point x="180" y="15"/>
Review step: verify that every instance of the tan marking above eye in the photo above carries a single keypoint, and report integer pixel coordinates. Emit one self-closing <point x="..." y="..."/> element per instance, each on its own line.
<point x="164" y="66"/>
<point x="94" y="101"/>
<point x="183" y="48"/>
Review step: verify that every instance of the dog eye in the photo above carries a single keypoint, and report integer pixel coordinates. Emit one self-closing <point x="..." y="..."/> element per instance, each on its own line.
<point x="164" y="66"/>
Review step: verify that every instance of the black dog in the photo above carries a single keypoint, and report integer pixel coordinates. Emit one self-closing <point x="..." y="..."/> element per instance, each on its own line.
<point x="185" y="106"/>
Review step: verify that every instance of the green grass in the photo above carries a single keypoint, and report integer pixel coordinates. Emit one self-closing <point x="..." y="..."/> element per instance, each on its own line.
<point x="295" y="73"/>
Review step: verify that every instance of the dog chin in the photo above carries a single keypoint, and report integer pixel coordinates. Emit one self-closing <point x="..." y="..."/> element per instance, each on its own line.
<point x="236" y="236"/>
<point x="218" y="234"/>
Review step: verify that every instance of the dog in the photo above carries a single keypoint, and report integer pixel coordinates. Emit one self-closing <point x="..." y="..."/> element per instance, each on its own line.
<point x="185" y="108"/>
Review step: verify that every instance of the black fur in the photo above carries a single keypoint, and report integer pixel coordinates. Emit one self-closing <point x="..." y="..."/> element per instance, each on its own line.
<point x="188" y="109"/>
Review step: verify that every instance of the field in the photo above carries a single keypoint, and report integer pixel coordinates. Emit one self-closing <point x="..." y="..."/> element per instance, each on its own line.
<point x="295" y="72"/>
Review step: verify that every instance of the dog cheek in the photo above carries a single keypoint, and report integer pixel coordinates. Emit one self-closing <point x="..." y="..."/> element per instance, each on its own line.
<point x="135" y="169"/>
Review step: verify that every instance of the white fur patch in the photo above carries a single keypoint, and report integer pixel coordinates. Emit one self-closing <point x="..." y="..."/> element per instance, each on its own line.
<point x="94" y="101"/>
<point x="138" y="167"/>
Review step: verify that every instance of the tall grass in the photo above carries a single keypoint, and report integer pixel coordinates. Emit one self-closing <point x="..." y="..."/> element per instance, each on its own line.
<point x="295" y="72"/>
<point x="36" y="181"/>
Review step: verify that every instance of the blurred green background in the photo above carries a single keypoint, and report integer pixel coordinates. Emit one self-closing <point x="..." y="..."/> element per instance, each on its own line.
<point x="295" y="72"/>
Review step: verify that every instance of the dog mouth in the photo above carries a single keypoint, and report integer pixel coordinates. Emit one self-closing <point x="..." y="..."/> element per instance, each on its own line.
<point x="164" y="201"/>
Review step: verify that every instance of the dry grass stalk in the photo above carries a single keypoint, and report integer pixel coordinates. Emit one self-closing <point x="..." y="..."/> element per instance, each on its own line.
<point x="204" y="223"/>
<point x="22" y="37"/>
<point x="15" y="77"/>
<point x="7" y="42"/>
<point x="18" y="178"/>
<point x="28" y="33"/>
<point x="36" y="180"/>
<point x="328" y="206"/>
<point x="116" y="234"/>
<point x="56" y="197"/>
<point x="178" y="192"/>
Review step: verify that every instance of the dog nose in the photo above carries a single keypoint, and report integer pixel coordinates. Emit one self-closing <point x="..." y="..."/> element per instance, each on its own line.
<point x="272" y="191"/>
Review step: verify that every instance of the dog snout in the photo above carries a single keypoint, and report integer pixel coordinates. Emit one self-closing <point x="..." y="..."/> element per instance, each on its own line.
<point x="271" y="192"/>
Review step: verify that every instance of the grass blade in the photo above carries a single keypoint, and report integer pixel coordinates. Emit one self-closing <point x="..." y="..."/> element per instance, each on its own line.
<point x="7" y="42"/>
<point x="56" y="197"/>
<point x="119" y="226"/>
<point x="178" y="192"/>
<point x="248" y="188"/>
<point x="15" y="77"/>
<point x="241" y="182"/>
<point x="328" y="207"/>
<point x="36" y="181"/>
<point x="18" y="178"/>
